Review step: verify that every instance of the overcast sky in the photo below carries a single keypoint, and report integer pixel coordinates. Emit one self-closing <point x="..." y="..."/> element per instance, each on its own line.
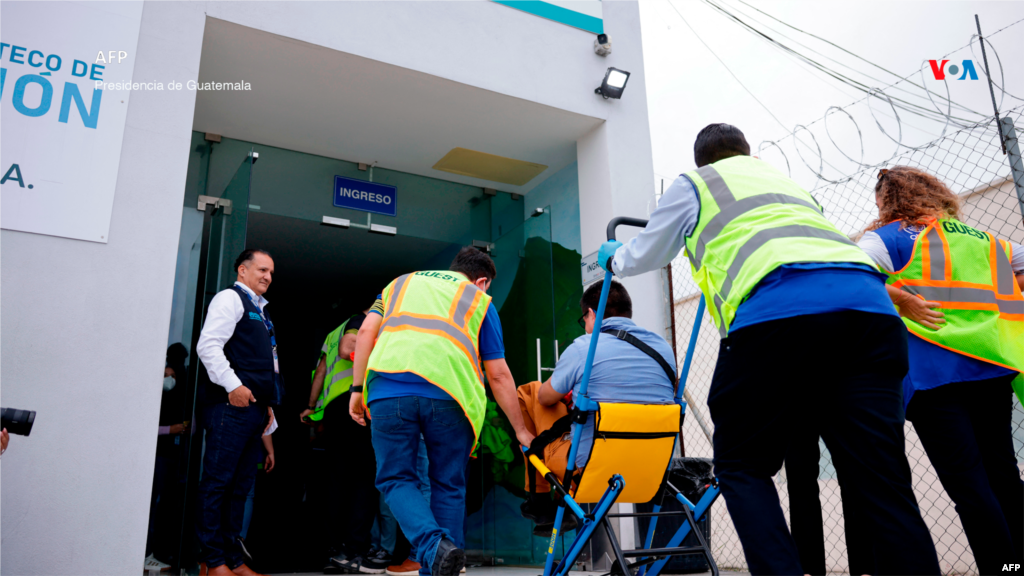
<point x="688" y="87"/>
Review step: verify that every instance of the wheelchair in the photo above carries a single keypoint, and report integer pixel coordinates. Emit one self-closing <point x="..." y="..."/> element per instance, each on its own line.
<point x="629" y="463"/>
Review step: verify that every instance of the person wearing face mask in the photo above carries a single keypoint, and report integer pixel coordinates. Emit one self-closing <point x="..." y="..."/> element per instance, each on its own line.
<point x="174" y="424"/>
<point x="241" y="375"/>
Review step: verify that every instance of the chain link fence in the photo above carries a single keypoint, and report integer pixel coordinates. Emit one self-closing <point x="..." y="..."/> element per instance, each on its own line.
<point x="971" y="162"/>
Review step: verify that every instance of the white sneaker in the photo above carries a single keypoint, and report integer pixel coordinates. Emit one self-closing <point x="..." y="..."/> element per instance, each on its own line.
<point x="154" y="565"/>
<point x="463" y="571"/>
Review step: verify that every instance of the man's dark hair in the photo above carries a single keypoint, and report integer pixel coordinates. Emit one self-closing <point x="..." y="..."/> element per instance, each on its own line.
<point x="718" y="142"/>
<point x="247" y="255"/>
<point x="474" y="263"/>
<point x="618" y="304"/>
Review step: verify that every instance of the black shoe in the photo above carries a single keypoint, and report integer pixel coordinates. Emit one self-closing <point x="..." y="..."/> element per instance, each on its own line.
<point x="448" y="560"/>
<point x="329" y="566"/>
<point x="357" y="565"/>
<point x="376" y="560"/>
<point x="568" y="523"/>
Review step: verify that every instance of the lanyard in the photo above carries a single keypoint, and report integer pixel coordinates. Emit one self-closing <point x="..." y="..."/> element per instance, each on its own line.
<point x="266" y="321"/>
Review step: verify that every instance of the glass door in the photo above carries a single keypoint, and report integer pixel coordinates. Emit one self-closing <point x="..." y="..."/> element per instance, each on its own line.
<point x="524" y="293"/>
<point x="225" y="218"/>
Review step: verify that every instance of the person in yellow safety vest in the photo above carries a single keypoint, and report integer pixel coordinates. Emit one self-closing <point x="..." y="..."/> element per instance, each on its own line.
<point x="345" y="442"/>
<point x="810" y="343"/>
<point x="333" y="374"/>
<point x="426" y="345"/>
<point x="958" y="290"/>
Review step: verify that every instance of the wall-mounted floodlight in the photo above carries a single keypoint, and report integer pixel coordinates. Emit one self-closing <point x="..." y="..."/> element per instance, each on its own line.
<point x="613" y="84"/>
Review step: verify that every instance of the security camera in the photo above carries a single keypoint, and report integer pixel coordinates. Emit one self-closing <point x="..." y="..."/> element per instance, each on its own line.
<point x="602" y="45"/>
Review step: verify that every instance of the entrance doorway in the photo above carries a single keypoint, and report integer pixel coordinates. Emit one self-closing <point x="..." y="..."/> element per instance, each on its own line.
<point x="324" y="274"/>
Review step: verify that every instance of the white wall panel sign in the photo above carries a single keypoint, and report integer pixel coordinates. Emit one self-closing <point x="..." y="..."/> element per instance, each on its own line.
<point x="65" y="82"/>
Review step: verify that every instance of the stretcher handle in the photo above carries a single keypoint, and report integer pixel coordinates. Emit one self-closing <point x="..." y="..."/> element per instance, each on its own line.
<point x="624" y="221"/>
<point x="544" y="471"/>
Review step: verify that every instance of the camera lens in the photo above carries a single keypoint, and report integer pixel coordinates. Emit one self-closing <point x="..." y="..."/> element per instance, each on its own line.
<point x="17" y="421"/>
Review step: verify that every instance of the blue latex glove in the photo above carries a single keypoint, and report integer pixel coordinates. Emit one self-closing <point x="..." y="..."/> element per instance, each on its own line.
<point x="607" y="251"/>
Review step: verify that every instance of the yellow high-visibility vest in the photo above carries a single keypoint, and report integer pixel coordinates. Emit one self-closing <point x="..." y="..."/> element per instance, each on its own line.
<point x="968" y="273"/>
<point x="338" y="378"/>
<point x="431" y="328"/>
<point x="754" y="219"/>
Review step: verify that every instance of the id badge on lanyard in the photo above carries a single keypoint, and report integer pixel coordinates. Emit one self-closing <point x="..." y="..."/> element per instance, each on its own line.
<point x="270" y="328"/>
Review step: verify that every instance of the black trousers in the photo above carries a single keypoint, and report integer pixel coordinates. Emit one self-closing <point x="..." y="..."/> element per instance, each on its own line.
<point x="354" y="498"/>
<point x="805" y="518"/>
<point x="840" y="374"/>
<point x="965" y="428"/>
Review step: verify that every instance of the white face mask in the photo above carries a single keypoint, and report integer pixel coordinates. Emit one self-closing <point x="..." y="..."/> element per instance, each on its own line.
<point x="168" y="383"/>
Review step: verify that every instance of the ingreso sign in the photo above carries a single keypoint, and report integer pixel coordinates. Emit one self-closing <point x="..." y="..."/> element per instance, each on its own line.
<point x="61" y="131"/>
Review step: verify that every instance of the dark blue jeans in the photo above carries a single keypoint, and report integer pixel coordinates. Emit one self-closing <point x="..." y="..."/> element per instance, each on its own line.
<point x="839" y="374"/>
<point x="234" y="448"/>
<point x="397" y="424"/>
<point x="966" y="429"/>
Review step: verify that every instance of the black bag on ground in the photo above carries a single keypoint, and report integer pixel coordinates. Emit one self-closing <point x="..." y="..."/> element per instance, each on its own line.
<point x="690" y="476"/>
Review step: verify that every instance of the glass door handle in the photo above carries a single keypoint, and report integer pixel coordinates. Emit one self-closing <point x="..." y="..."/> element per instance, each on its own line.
<point x="540" y="368"/>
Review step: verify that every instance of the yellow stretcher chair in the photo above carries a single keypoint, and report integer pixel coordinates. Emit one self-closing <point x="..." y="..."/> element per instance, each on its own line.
<point x="629" y="461"/>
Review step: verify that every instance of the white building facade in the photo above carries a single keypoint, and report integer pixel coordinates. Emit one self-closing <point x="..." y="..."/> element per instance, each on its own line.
<point x="482" y="116"/>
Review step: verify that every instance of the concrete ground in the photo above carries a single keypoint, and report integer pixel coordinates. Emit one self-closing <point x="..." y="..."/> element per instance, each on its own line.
<point x="520" y="571"/>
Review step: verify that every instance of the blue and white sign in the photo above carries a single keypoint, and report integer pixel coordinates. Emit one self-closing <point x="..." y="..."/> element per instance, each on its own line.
<point x="365" y="196"/>
<point x="583" y="14"/>
<point x="590" y="269"/>
<point x="66" y="72"/>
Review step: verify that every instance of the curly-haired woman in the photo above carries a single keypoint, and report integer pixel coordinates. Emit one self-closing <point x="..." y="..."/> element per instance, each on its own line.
<point x="959" y="292"/>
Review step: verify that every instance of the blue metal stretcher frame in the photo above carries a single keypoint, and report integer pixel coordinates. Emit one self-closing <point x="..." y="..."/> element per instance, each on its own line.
<point x="589" y="522"/>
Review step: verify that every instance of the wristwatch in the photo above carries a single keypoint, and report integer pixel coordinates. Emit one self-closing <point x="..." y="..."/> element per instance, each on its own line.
<point x="357" y="389"/>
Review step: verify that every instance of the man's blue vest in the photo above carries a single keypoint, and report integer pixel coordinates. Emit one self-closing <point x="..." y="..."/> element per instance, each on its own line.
<point x="251" y="357"/>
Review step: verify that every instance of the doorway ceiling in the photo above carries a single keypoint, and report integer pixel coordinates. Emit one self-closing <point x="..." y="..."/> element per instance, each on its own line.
<point x="320" y="101"/>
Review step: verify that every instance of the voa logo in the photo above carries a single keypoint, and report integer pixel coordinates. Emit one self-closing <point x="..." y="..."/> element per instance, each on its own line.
<point x="965" y="69"/>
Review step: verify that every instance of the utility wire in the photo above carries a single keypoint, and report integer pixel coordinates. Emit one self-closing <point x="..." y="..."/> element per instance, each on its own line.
<point x="804" y="67"/>
<point x="738" y="81"/>
<point x="857" y="56"/>
<point x="898" y="102"/>
<point x="905" y="78"/>
<point x="726" y="66"/>
<point x="827" y="57"/>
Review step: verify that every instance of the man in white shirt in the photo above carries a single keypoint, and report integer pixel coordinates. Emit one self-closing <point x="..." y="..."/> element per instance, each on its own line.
<point x="242" y="380"/>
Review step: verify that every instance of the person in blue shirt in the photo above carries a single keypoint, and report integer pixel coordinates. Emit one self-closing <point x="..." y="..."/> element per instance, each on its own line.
<point x="621" y="373"/>
<point x="816" y="347"/>
<point x="405" y="407"/>
<point x="961" y="407"/>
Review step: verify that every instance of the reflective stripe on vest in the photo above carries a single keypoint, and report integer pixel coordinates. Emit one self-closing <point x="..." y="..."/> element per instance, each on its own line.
<point x="403" y="321"/>
<point x="735" y="243"/>
<point x="968" y="273"/>
<point x="431" y="328"/>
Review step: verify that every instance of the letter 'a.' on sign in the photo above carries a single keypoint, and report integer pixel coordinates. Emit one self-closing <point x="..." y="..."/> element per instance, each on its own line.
<point x="62" y="131"/>
<point x="365" y="196"/>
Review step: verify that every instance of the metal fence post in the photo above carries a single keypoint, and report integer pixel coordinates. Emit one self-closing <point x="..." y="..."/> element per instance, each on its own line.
<point x="1009" y="138"/>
